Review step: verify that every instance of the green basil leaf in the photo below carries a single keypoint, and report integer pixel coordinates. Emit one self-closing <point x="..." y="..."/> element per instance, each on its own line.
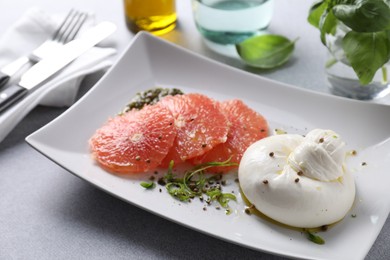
<point x="315" y="13"/>
<point x="364" y="15"/>
<point x="265" y="51"/>
<point x="148" y="185"/>
<point x="328" y="24"/>
<point x="366" y="52"/>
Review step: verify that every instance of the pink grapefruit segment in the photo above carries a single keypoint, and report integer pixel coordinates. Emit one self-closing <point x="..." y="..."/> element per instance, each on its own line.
<point x="200" y="126"/>
<point x="246" y="127"/>
<point x="136" y="141"/>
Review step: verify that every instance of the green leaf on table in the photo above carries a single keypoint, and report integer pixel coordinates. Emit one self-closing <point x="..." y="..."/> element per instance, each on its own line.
<point x="328" y="25"/>
<point x="367" y="52"/>
<point x="364" y="15"/>
<point x="266" y="51"/>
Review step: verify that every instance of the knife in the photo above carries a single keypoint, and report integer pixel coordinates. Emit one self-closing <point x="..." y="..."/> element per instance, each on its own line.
<point x="49" y="66"/>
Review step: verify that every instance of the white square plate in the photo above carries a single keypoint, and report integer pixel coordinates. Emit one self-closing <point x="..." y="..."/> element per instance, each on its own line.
<point x="149" y="62"/>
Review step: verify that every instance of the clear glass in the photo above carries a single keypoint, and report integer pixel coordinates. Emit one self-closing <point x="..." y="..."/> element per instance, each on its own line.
<point x="155" y="16"/>
<point x="231" y="21"/>
<point x="342" y="78"/>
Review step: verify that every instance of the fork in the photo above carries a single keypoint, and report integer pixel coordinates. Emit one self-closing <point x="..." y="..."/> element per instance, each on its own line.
<point x="66" y="32"/>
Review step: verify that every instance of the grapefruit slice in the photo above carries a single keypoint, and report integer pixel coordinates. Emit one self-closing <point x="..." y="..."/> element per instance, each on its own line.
<point x="246" y="127"/>
<point x="136" y="141"/>
<point x="200" y="126"/>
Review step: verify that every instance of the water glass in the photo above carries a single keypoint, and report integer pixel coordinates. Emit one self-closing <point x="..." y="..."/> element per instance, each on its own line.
<point x="231" y="21"/>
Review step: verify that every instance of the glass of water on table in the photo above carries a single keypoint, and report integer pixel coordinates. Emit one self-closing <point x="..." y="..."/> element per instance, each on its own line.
<point x="228" y="22"/>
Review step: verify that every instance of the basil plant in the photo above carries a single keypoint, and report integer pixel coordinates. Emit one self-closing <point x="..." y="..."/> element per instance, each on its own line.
<point x="366" y="43"/>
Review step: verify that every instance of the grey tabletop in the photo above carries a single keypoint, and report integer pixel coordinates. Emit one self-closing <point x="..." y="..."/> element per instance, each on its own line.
<point x="47" y="213"/>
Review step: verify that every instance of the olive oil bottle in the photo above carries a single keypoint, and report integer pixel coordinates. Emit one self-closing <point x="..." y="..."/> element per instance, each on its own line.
<point x="155" y="16"/>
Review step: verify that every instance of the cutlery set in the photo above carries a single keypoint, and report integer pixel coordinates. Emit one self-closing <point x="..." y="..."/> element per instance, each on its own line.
<point x="51" y="56"/>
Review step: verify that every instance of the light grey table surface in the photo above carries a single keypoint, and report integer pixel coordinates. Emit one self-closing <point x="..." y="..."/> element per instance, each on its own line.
<point x="47" y="213"/>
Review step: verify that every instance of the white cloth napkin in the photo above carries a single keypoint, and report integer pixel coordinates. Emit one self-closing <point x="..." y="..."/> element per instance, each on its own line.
<point x="32" y="29"/>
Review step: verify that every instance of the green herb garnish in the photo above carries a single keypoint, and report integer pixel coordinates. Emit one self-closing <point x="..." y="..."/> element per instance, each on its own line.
<point x="315" y="238"/>
<point x="366" y="43"/>
<point x="266" y="51"/>
<point x="150" y="97"/>
<point x="148" y="185"/>
<point x="195" y="184"/>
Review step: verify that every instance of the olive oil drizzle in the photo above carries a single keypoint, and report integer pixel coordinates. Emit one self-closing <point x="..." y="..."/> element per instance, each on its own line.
<point x="310" y="232"/>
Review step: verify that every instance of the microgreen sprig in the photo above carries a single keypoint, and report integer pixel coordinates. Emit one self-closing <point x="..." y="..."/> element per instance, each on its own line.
<point x="148" y="185"/>
<point x="315" y="238"/>
<point x="195" y="184"/>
